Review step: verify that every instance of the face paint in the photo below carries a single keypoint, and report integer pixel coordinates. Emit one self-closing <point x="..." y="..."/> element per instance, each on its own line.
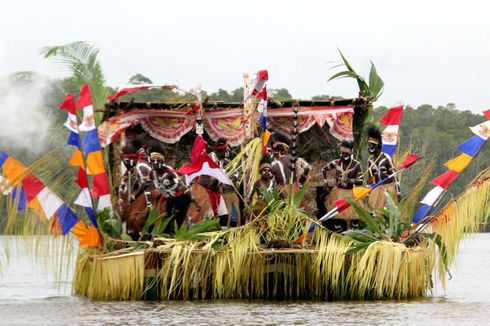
<point x="266" y="173"/>
<point x="345" y="157"/>
<point x="345" y="154"/>
<point x="129" y="163"/>
<point x="372" y="148"/>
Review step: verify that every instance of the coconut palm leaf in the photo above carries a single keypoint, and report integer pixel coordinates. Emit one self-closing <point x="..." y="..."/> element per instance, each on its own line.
<point x="372" y="223"/>
<point x="371" y="90"/>
<point x="81" y="59"/>
<point x="109" y="222"/>
<point x="376" y="84"/>
<point x="298" y="197"/>
<point x="195" y="231"/>
<point x="247" y="163"/>
<point x="394" y="215"/>
<point x="358" y="247"/>
<point x="343" y="74"/>
<point x="159" y="221"/>
<point x="409" y="203"/>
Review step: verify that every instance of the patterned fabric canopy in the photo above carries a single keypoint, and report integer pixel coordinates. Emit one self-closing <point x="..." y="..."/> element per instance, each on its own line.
<point x="169" y="126"/>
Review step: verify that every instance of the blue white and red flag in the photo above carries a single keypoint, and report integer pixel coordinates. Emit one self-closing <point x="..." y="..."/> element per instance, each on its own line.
<point x="391" y="120"/>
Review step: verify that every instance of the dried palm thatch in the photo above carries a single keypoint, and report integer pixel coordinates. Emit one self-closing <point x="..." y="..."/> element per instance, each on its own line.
<point x="464" y="214"/>
<point x="111" y="277"/>
<point x="391" y="270"/>
<point x="386" y="270"/>
<point x="247" y="163"/>
<point x="241" y="263"/>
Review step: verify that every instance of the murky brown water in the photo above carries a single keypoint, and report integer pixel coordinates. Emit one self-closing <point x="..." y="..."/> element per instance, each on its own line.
<point x="29" y="297"/>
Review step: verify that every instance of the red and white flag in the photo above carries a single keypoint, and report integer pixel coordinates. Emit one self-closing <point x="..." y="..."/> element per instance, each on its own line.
<point x="487" y="113"/>
<point x="198" y="149"/>
<point x="259" y="81"/>
<point x="408" y="162"/>
<point x="392" y="120"/>
<point x="85" y="102"/>
<point x="204" y="166"/>
<point x="68" y="105"/>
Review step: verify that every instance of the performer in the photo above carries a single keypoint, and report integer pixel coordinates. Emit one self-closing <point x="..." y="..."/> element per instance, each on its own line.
<point x="208" y="190"/>
<point x="282" y="166"/>
<point x="380" y="166"/>
<point x="176" y="196"/>
<point x="348" y="173"/>
<point x="285" y="166"/>
<point x="266" y="181"/>
<point x="144" y="172"/>
<point x="221" y="155"/>
<point x="129" y="180"/>
<point x="159" y="168"/>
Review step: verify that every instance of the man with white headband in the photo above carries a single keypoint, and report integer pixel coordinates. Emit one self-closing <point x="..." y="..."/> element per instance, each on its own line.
<point x="380" y="166"/>
<point x="348" y="173"/>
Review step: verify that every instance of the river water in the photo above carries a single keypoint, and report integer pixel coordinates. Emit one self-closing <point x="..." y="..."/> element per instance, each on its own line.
<point x="29" y="295"/>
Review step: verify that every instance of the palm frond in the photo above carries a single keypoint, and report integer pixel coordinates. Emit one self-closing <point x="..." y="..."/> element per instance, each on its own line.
<point x="464" y="214"/>
<point x="411" y="201"/>
<point x="81" y="59"/>
<point x="247" y="163"/>
<point x="376" y="84"/>
<point x="372" y="90"/>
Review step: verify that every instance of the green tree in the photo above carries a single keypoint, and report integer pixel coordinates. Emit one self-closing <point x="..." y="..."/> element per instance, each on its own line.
<point x="237" y="95"/>
<point x="221" y="95"/>
<point x="139" y="79"/>
<point x="320" y="97"/>
<point x="280" y="94"/>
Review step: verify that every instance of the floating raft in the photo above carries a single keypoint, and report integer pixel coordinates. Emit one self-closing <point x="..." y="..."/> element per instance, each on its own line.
<point x="385" y="270"/>
<point x="321" y="270"/>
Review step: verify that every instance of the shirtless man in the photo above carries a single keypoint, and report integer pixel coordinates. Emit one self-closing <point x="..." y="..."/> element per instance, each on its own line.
<point x="348" y="173"/>
<point x="380" y="166"/>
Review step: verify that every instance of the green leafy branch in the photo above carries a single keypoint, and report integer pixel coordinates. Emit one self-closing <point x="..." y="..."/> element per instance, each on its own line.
<point x="372" y="89"/>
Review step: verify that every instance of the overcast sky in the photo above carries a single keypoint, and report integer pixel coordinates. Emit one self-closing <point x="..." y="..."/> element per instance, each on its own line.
<point x="432" y="52"/>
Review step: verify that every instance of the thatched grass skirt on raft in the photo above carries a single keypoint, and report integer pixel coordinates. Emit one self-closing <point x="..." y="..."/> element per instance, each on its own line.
<point x="385" y="270"/>
<point x="377" y="198"/>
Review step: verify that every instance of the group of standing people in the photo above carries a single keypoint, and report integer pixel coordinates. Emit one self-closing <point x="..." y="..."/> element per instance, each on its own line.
<point x="339" y="176"/>
<point x="145" y="175"/>
<point x="147" y="181"/>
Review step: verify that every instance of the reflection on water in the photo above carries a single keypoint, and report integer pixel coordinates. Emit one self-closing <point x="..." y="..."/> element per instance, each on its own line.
<point x="28" y="297"/>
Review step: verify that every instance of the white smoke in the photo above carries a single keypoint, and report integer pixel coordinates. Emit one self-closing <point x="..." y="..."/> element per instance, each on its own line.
<point x="24" y="122"/>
